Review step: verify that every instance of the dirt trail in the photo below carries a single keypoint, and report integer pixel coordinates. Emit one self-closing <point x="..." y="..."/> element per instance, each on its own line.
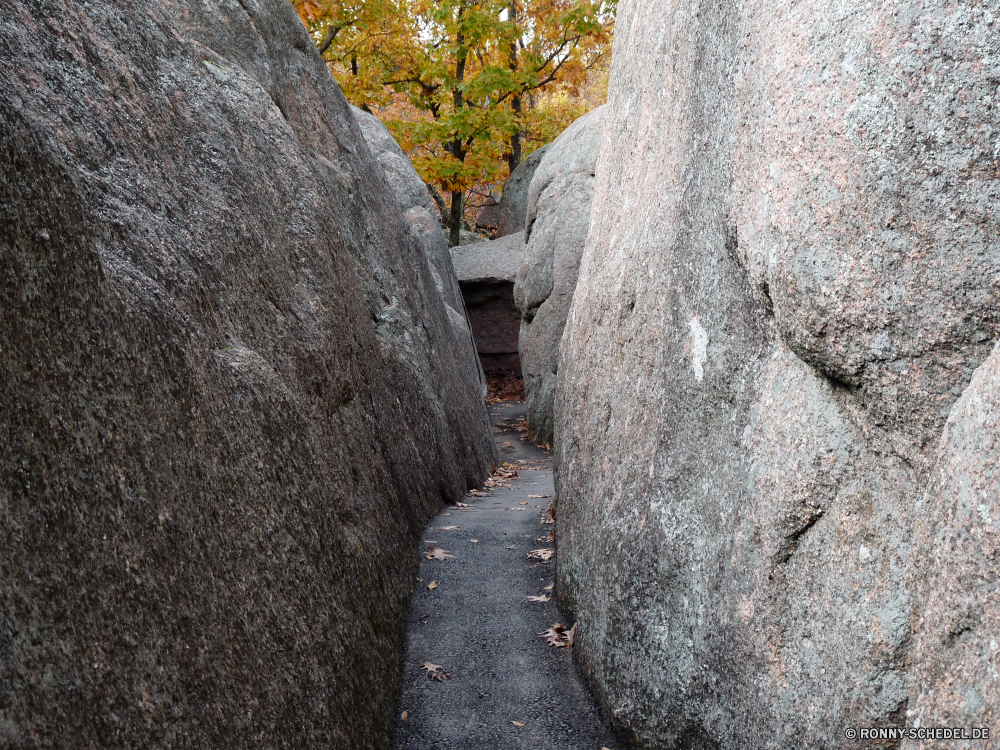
<point x="478" y="625"/>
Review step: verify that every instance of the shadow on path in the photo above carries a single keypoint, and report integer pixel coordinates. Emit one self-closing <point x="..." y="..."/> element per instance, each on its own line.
<point x="478" y="625"/>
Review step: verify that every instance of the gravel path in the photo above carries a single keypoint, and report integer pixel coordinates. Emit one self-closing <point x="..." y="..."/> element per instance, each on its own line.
<point x="478" y="625"/>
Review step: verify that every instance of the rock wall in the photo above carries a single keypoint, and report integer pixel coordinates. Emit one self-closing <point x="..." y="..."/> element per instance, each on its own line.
<point x="558" y="219"/>
<point x="790" y="279"/>
<point x="414" y="200"/>
<point x="954" y="653"/>
<point x="229" y="388"/>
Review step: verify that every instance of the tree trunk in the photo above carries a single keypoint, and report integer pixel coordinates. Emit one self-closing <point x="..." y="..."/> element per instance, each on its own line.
<point x="456" y="147"/>
<point x="514" y="158"/>
<point x="455" y="220"/>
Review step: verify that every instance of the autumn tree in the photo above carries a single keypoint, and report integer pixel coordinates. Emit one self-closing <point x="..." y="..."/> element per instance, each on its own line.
<point x="471" y="76"/>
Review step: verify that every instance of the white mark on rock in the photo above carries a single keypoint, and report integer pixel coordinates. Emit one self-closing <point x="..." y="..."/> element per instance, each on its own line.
<point x="699" y="348"/>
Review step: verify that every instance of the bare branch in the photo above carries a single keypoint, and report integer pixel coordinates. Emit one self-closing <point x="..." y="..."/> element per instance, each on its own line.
<point x="331" y="34"/>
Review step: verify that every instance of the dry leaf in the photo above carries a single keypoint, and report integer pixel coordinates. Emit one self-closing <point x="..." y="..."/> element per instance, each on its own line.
<point x="447" y="528"/>
<point x="474" y="541"/>
<point x="538" y="598"/>
<point x="524" y="503"/>
<point x="511" y="547"/>
<point x="517" y="724"/>
<point x="550" y="586"/>
<point x="406" y="715"/>
<point x="435" y="553"/>
<point x="459" y="506"/>
<point x="432" y="585"/>
<point x="559" y="636"/>
<point x="538" y="497"/>
<point x="550" y="537"/>
<point x="435" y="672"/>
<point x="541" y="554"/>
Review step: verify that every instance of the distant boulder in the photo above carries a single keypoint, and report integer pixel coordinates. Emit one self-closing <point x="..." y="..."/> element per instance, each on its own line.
<point x="488" y="215"/>
<point x="558" y="218"/>
<point x="514" y="199"/>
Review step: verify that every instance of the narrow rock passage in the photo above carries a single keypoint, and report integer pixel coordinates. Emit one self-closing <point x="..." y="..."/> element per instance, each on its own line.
<point x="478" y="625"/>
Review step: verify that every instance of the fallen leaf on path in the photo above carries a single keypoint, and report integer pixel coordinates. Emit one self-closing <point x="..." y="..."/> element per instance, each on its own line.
<point x="435" y="672"/>
<point x="538" y="598"/>
<point x="560" y="636"/>
<point x="432" y="585"/>
<point x="517" y="724"/>
<point x="541" y="554"/>
<point x="538" y="497"/>
<point x="446" y="514"/>
<point x="550" y="586"/>
<point x="459" y="506"/>
<point x="524" y="503"/>
<point x="511" y="547"/>
<point x="474" y="541"/>
<point x="447" y="528"/>
<point x="477" y="493"/>
<point x="406" y="715"/>
<point x="550" y="537"/>
<point x="435" y="553"/>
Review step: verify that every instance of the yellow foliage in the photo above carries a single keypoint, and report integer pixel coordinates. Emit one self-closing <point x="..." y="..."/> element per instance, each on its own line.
<point x="467" y="85"/>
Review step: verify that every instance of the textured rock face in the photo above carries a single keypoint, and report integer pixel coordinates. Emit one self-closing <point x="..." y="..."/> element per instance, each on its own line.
<point x="514" y="200"/>
<point x="557" y="223"/>
<point x="789" y="281"/>
<point x="415" y="202"/>
<point x="486" y="273"/>
<point x="955" y="647"/>
<point x="227" y="387"/>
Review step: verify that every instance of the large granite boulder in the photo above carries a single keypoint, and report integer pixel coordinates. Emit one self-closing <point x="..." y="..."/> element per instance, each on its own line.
<point x="486" y="273"/>
<point x="556" y="231"/>
<point x="789" y="281"/>
<point x="229" y="389"/>
<point x="417" y="205"/>
<point x="514" y="198"/>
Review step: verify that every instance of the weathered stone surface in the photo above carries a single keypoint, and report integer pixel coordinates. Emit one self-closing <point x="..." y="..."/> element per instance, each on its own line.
<point x="488" y="216"/>
<point x="486" y="273"/>
<point x="557" y="223"/>
<point x="955" y="646"/>
<point x="228" y="390"/>
<point x="493" y="261"/>
<point x="789" y="280"/>
<point x="415" y="202"/>
<point x="471" y="238"/>
<point x="514" y="199"/>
